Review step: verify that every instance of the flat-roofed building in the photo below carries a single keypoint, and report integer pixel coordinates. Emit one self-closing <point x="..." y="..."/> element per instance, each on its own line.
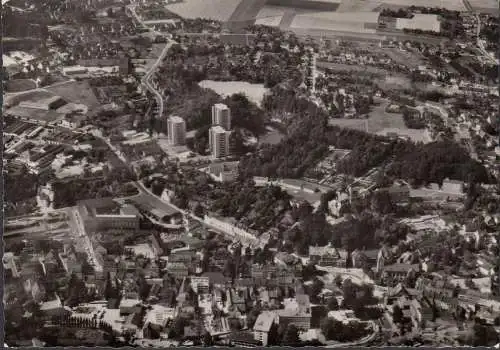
<point x="221" y="115"/>
<point x="224" y="172"/>
<point x="104" y="213"/>
<point x="176" y="130"/>
<point x="219" y="142"/>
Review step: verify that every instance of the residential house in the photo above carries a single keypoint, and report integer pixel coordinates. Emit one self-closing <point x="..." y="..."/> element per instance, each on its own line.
<point x="182" y="256"/>
<point x="129" y="306"/>
<point x="300" y="320"/>
<point x="10" y="265"/>
<point x="217" y="279"/>
<point x="177" y="269"/>
<point x="263" y="325"/>
<point x="328" y="256"/>
<point x="344" y="316"/>
<point x="399" y="272"/>
<point x="158" y="317"/>
<point x="53" y="308"/>
<point x="244" y="339"/>
<point x="297" y="312"/>
<point x="238" y="298"/>
<point x="453" y="186"/>
<point x="200" y="284"/>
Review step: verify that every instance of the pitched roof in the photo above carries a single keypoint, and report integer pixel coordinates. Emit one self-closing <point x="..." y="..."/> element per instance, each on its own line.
<point x="216" y="277"/>
<point x="401" y="267"/>
<point x="264" y="322"/>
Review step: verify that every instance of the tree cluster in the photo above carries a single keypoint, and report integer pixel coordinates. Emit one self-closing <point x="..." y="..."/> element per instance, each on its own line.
<point x="257" y="207"/>
<point x="338" y="331"/>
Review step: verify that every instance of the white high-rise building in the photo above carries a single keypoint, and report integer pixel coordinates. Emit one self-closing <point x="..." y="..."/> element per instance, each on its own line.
<point x="176" y="130"/>
<point x="221" y="115"/>
<point x="219" y="142"/>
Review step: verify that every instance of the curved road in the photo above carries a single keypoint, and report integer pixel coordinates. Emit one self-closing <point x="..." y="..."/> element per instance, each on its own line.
<point x="361" y="342"/>
<point x="146" y="80"/>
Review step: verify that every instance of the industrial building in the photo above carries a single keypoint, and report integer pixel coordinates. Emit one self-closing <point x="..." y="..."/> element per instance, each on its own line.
<point x="105" y="213"/>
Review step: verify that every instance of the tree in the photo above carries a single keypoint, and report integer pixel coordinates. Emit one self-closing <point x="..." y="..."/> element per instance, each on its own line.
<point x="109" y="291"/>
<point x="198" y="210"/>
<point x="484" y="335"/>
<point x="315" y="289"/>
<point x="397" y="314"/>
<point x="144" y="288"/>
<point x="77" y="292"/>
<point x="208" y="339"/>
<point x="291" y="336"/>
<point x="252" y="316"/>
<point x="333" y="304"/>
<point x="274" y="338"/>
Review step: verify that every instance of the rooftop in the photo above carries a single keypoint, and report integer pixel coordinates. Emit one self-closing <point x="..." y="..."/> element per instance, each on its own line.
<point x="264" y="321"/>
<point x="129" y="302"/>
<point x="176" y="119"/>
<point x="218" y="129"/>
<point x="401" y="267"/>
<point x="221" y="106"/>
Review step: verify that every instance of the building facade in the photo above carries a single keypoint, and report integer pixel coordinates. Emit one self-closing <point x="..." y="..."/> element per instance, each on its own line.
<point x="221" y="116"/>
<point x="176" y="130"/>
<point x="219" y="142"/>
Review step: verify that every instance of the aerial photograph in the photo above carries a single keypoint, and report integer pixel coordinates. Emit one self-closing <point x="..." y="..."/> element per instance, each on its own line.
<point x="251" y="173"/>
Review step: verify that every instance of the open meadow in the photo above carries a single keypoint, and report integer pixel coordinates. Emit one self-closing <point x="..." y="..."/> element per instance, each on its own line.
<point x="254" y="92"/>
<point x="489" y="6"/>
<point x="219" y="10"/>
<point x="380" y="122"/>
<point x="76" y="92"/>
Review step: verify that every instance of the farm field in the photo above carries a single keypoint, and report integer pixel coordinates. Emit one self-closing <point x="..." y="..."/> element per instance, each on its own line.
<point x="381" y="122"/>
<point x="247" y="10"/>
<point x="351" y="67"/>
<point x="219" y="10"/>
<point x="409" y="59"/>
<point x="269" y="21"/>
<point x="358" y="5"/>
<point x="485" y="5"/>
<point x="254" y="92"/>
<point x="375" y="5"/>
<point x="19" y="85"/>
<point x="453" y="5"/>
<point x="316" y="23"/>
<point x="394" y="82"/>
<point x="270" y="16"/>
<point x="15" y="99"/>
